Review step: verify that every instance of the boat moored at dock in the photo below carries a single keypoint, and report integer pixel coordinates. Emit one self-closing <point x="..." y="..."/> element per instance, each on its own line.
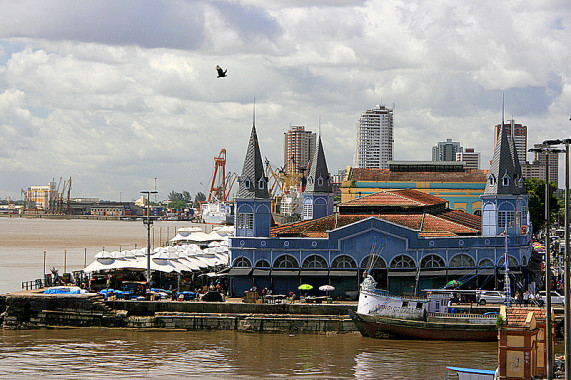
<point x="382" y="315"/>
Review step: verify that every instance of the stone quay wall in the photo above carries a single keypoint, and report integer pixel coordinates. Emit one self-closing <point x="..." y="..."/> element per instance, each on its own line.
<point x="33" y="310"/>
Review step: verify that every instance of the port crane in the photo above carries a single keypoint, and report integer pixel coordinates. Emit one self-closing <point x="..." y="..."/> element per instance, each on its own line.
<point x="222" y="183"/>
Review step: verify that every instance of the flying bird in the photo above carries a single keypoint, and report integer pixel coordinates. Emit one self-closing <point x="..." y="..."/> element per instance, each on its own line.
<point x="221" y="74"/>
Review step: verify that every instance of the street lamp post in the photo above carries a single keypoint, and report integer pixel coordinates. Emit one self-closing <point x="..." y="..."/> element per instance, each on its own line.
<point x="148" y="223"/>
<point x="548" y="322"/>
<point x="567" y="261"/>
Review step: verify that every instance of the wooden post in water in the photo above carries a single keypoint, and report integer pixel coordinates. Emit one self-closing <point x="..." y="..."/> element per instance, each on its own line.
<point x="64" y="261"/>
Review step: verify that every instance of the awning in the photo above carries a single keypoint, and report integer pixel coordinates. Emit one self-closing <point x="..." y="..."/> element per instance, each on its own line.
<point x="313" y="273"/>
<point x="402" y="274"/>
<point x="239" y="271"/>
<point x="514" y="272"/>
<point x="461" y="272"/>
<point x="261" y="272"/>
<point x="441" y="272"/>
<point x="285" y="272"/>
<point x="486" y="272"/>
<point x="343" y="273"/>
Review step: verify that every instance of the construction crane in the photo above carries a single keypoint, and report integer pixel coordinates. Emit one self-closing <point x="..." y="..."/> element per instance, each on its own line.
<point x="222" y="183"/>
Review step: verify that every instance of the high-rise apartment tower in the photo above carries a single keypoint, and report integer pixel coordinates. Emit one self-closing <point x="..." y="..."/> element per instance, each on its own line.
<point x="446" y="150"/>
<point x="299" y="148"/>
<point x="519" y="135"/>
<point x="374" y="145"/>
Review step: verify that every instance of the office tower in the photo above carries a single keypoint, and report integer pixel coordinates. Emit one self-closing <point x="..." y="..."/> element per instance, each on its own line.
<point x="519" y="136"/>
<point x="446" y="150"/>
<point x="299" y="148"/>
<point x="471" y="158"/>
<point x="553" y="164"/>
<point x="374" y="145"/>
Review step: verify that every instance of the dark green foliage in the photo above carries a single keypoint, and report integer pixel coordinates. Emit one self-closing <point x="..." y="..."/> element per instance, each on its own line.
<point x="536" y="190"/>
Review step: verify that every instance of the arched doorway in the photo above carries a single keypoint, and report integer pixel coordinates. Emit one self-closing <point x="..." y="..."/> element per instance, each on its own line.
<point x="377" y="268"/>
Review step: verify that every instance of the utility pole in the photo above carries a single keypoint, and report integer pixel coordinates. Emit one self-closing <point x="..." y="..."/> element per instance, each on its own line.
<point x="567" y="261"/>
<point x="548" y="322"/>
<point x="148" y="222"/>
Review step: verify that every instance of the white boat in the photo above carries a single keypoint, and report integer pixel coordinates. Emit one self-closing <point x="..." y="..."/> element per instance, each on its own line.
<point x="380" y="314"/>
<point x="218" y="212"/>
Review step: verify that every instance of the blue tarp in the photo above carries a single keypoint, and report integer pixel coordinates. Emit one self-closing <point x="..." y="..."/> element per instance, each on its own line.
<point x="61" y="291"/>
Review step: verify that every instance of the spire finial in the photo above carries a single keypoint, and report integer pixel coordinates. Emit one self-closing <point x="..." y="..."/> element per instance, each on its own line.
<point x="503" y="103"/>
<point x="254" y="114"/>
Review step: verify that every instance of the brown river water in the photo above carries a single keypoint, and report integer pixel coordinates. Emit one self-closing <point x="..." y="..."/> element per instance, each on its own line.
<point x="117" y="353"/>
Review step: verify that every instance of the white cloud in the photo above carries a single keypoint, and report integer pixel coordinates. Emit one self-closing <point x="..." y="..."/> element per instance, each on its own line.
<point x="118" y="93"/>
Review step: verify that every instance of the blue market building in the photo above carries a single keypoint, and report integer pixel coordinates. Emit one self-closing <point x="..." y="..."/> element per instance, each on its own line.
<point x="408" y="240"/>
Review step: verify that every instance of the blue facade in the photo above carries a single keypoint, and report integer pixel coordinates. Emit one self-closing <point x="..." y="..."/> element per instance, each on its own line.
<point x="252" y="217"/>
<point x="346" y="250"/>
<point x="317" y="205"/>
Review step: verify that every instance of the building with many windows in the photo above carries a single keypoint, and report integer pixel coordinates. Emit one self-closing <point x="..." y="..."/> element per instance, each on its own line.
<point x="518" y="133"/>
<point x="299" y="148"/>
<point x="446" y="150"/>
<point x="374" y="144"/>
<point x="471" y="158"/>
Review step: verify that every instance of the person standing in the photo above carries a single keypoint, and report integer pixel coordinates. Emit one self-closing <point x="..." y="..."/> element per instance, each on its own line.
<point x="526" y="298"/>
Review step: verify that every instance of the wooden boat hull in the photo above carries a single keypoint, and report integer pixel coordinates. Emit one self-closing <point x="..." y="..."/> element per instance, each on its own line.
<point x="382" y="327"/>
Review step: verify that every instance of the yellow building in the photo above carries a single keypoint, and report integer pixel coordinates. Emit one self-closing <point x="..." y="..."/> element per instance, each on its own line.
<point x="445" y="179"/>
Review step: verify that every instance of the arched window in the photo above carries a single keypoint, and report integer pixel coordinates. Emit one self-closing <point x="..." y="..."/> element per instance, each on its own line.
<point x="247" y="183"/>
<point x="320" y="181"/>
<point x="512" y="262"/>
<point x="262" y="264"/>
<point x="486" y="263"/>
<point x="315" y="261"/>
<point x="343" y="261"/>
<point x="286" y="261"/>
<point x="402" y="261"/>
<point x="432" y="261"/>
<point x="378" y="262"/>
<point x="478" y="212"/>
<point x="462" y="260"/>
<point x="506" y="180"/>
<point x="261" y="183"/>
<point x="310" y="180"/>
<point x="242" y="262"/>
<point x="491" y="180"/>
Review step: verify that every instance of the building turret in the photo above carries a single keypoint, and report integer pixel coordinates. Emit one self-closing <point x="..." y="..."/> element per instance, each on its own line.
<point x="505" y="200"/>
<point x="318" y="194"/>
<point x="252" y="203"/>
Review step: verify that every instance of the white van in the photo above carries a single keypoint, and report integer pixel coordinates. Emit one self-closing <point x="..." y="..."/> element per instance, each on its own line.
<point x="490" y="296"/>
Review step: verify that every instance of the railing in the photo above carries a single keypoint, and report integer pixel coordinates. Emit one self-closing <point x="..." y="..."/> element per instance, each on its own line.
<point x="463" y="315"/>
<point x="35" y="284"/>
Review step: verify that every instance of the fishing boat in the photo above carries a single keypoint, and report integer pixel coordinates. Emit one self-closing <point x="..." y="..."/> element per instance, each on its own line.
<point x="381" y="315"/>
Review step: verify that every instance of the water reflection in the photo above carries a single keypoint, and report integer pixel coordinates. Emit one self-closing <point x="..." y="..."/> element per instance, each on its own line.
<point x="109" y="353"/>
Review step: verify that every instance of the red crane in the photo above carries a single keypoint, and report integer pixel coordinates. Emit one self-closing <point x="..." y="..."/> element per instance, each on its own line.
<point x="218" y="188"/>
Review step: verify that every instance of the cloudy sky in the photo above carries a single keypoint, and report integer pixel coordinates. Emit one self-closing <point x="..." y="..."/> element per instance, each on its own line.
<point x="117" y="93"/>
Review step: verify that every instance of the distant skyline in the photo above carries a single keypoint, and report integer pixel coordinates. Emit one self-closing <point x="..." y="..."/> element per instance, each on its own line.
<point x="116" y="94"/>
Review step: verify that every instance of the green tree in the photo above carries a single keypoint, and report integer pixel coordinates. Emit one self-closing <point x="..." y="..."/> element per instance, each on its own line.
<point x="200" y="197"/>
<point x="181" y="205"/>
<point x="536" y="190"/>
<point x="186" y="197"/>
<point x="174" y="196"/>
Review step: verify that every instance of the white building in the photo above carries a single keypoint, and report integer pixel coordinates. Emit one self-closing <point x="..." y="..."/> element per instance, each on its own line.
<point x="471" y="158"/>
<point x="374" y="145"/>
<point x="446" y="150"/>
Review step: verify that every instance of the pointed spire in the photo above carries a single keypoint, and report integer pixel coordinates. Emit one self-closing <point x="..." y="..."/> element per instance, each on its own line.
<point x="253" y="182"/>
<point x="505" y="173"/>
<point x="318" y="180"/>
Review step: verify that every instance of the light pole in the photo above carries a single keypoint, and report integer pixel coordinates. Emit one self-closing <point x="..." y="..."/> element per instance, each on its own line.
<point x="548" y="323"/>
<point x="148" y="223"/>
<point x="567" y="270"/>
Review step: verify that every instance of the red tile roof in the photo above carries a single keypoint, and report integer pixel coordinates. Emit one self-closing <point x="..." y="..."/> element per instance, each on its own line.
<point x="385" y="175"/>
<point x="428" y="225"/>
<point x="405" y="197"/>
<point x="516" y="316"/>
